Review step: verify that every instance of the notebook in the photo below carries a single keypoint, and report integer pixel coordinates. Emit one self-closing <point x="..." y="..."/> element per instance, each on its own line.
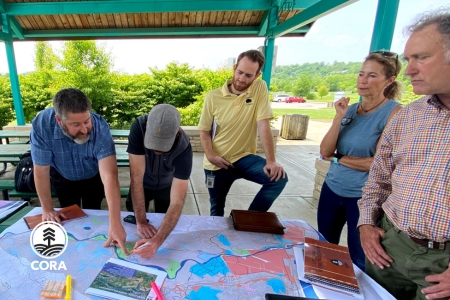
<point x="257" y="221"/>
<point x="330" y="265"/>
<point x="71" y="212"/>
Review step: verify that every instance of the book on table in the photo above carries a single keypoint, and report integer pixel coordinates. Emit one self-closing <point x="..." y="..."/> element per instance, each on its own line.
<point x="257" y="221"/>
<point x="71" y="212"/>
<point x="120" y="279"/>
<point x="330" y="265"/>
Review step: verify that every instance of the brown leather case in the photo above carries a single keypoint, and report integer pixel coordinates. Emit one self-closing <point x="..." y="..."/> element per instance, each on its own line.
<point x="257" y="221"/>
<point x="329" y="264"/>
<point x="71" y="212"/>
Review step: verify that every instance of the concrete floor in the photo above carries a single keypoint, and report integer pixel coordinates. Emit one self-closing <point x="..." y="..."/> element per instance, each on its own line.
<point x="295" y="202"/>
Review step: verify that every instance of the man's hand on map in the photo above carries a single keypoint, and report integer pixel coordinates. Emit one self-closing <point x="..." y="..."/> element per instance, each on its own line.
<point x="146" y="230"/>
<point x="117" y="235"/>
<point x="146" y="248"/>
<point x="53" y="215"/>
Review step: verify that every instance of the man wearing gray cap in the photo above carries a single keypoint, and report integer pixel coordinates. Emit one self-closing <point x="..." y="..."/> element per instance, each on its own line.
<point x="160" y="165"/>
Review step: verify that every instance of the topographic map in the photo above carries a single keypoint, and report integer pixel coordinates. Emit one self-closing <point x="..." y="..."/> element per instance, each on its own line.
<point x="204" y="258"/>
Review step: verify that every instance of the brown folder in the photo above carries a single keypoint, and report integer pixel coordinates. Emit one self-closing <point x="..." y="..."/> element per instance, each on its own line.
<point x="71" y="212"/>
<point x="257" y="221"/>
<point x="330" y="265"/>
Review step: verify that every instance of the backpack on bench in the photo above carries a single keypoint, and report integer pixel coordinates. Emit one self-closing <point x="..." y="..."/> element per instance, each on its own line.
<point x="24" y="176"/>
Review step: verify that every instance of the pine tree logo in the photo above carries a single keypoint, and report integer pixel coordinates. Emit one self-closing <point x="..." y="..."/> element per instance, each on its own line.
<point x="49" y="239"/>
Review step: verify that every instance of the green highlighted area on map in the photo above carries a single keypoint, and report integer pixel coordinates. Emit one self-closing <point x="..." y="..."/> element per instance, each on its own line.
<point x="173" y="268"/>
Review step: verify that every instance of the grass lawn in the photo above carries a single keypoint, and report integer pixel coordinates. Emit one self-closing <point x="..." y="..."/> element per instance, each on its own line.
<point x="314" y="114"/>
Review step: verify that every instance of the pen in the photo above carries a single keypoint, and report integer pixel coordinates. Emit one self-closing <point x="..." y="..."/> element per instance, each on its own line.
<point x="141" y="246"/>
<point x="157" y="291"/>
<point x="68" y="286"/>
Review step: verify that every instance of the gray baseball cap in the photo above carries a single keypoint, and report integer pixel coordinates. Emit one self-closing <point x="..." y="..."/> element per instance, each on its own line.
<point x="163" y="124"/>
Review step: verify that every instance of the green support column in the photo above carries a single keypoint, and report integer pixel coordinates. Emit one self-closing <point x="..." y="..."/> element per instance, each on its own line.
<point x="269" y="43"/>
<point x="269" y="46"/>
<point x="383" y="29"/>
<point x="14" y="78"/>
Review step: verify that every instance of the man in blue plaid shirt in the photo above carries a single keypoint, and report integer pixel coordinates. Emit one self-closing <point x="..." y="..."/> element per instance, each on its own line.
<point x="73" y="151"/>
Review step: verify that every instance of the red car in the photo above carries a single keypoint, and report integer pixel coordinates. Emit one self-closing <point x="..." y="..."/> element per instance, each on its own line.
<point x="295" y="99"/>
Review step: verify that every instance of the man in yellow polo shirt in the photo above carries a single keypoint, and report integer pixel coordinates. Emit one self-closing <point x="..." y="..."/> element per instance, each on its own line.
<point x="230" y="119"/>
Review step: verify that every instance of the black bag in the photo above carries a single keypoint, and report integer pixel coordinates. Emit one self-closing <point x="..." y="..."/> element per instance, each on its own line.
<point x="24" y="176"/>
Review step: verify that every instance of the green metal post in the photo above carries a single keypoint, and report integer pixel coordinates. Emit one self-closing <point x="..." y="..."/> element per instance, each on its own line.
<point x="268" y="53"/>
<point x="14" y="78"/>
<point x="269" y="43"/>
<point x="383" y="29"/>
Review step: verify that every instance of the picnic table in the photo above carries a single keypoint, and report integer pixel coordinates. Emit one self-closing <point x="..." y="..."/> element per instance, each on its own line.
<point x="7" y="134"/>
<point x="11" y="153"/>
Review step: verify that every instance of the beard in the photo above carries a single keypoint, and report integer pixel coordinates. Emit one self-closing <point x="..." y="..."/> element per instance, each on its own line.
<point x="79" y="138"/>
<point x="240" y="87"/>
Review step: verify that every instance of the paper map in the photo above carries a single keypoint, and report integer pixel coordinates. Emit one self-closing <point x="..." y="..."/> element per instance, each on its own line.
<point x="204" y="258"/>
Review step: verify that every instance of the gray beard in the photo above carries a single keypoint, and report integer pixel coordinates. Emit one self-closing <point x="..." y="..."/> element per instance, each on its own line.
<point x="79" y="141"/>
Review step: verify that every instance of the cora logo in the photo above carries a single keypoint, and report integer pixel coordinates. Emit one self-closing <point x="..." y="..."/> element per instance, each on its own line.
<point x="48" y="239"/>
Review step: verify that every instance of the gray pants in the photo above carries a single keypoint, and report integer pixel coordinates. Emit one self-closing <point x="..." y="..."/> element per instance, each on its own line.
<point x="412" y="262"/>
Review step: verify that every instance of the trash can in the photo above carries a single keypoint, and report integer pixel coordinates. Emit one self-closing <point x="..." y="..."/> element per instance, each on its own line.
<point x="294" y="127"/>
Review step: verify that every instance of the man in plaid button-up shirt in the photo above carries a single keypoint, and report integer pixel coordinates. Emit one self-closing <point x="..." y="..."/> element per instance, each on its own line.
<point x="408" y="186"/>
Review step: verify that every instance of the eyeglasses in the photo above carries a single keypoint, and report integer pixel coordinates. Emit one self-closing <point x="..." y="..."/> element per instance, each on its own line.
<point x="387" y="54"/>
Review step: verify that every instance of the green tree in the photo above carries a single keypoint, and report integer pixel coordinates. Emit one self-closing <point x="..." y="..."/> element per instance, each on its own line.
<point x="323" y="91"/>
<point x="302" y="87"/>
<point x="86" y="66"/>
<point x="177" y="85"/>
<point x="6" y="101"/>
<point x="132" y="98"/>
<point x="45" y="58"/>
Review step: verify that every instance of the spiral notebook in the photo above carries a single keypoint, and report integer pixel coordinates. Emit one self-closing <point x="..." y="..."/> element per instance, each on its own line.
<point x="330" y="265"/>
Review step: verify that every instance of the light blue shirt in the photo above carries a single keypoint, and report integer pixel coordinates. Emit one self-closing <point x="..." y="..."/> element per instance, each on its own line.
<point x="358" y="138"/>
<point x="50" y="146"/>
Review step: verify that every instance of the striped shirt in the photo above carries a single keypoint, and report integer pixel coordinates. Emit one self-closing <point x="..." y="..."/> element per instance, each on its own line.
<point x="410" y="177"/>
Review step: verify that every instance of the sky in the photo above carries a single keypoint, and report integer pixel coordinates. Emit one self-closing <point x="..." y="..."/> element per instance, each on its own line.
<point x="343" y="35"/>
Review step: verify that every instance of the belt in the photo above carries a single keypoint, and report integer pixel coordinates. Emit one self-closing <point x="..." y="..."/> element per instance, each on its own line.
<point x="430" y="244"/>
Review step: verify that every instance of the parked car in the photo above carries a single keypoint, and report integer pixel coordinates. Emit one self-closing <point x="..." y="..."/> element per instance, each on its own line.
<point x="295" y="99"/>
<point x="280" y="97"/>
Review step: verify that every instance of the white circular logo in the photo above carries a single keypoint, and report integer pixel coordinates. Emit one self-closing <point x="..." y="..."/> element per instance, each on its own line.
<point x="49" y="239"/>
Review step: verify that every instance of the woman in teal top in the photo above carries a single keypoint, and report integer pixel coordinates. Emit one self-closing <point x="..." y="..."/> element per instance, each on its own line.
<point x="350" y="145"/>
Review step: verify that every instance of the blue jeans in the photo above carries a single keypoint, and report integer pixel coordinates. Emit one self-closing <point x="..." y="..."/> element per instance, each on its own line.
<point x="250" y="168"/>
<point x="333" y="212"/>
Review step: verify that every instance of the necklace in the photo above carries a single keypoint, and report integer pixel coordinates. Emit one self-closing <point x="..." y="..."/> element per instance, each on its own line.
<point x="360" y="106"/>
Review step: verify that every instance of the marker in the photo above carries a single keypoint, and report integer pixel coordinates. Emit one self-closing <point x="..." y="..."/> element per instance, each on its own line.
<point x="141" y="246"/>
<point x="68" y="286"/>
<point x="157" y="291"/>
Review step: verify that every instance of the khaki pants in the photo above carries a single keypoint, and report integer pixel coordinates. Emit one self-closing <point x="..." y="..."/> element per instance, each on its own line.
<point x="412" y="262"/>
